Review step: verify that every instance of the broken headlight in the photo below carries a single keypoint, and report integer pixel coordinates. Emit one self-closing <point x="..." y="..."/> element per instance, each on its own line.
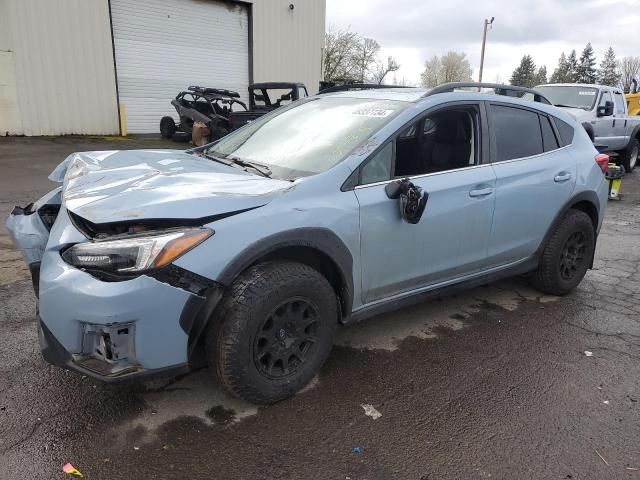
<point x="136" y="253"/>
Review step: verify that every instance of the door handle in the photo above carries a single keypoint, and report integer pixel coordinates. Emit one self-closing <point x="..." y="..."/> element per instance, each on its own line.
<point x="562" y="177"/>
<point x="481" y="192"/>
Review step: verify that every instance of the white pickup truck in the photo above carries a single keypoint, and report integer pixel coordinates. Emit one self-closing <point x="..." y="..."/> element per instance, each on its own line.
<point x="602" y="111"/>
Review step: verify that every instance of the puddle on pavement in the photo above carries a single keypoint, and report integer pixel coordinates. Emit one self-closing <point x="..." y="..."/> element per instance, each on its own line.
<point x="195" y="395"/>
<point x="386" y="331"/>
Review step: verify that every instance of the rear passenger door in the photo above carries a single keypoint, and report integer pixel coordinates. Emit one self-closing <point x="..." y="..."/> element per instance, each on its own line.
<point x="535" y="177"/>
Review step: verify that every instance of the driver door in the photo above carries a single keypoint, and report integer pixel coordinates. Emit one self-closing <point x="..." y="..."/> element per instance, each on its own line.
<point x="442" y="153"/>
<point x="603" y="128"/>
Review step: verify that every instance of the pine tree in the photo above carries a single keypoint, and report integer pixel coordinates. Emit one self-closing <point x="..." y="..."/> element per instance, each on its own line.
<point x="586" y="71"/>
<point x="608" y="74"/>
<point x="541" y="76"/>
<point x="560" y="73"/>
<point x="525" y="74"/>
<point x="572" y="68"/>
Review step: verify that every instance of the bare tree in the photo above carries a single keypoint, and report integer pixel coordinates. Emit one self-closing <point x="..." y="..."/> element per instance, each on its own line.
<point x="364" y="58"/>
<point x="339" y="52"/>
<point x="628" y="68"/>
<point x="451" y="67"/>
<point x="382" y="69"/>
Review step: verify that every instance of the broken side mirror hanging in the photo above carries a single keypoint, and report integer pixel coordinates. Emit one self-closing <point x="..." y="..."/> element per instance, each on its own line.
<point x="412" y="199"/>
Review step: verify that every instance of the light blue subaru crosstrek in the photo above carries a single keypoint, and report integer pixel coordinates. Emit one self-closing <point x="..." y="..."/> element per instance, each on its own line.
<point x="327" y="211"/>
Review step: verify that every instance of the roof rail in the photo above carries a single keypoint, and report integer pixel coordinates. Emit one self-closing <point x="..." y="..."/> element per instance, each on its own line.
<point x="345" y="87"/>
<point x="498" y="89"/>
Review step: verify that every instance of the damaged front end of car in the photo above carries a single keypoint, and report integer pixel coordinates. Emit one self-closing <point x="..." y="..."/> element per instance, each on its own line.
<point x="112" y="303"/>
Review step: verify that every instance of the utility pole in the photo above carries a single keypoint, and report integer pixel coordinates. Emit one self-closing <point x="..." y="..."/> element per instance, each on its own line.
<point x="484" y="41"/>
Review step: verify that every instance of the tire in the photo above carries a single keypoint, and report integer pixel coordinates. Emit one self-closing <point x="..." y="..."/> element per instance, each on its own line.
<point x="567" y="255"/>
<point x="629" y="156"/>
<point x="167" y="127"/>
<point x="273" y="332"/>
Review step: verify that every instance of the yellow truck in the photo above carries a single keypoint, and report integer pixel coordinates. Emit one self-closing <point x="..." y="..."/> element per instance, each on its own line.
<point x="633" y="103"/>
<point x="633" y="99"/>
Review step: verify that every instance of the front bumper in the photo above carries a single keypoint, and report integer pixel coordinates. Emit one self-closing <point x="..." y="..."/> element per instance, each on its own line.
<point x="110" y="330"/>
<point x="55" y="354"/>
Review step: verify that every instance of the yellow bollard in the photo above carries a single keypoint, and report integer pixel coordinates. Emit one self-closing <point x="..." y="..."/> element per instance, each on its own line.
<point x="123" y="119"/>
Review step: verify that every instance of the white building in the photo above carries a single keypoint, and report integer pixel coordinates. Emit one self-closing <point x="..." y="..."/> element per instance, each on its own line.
<point x="71" y="66"/>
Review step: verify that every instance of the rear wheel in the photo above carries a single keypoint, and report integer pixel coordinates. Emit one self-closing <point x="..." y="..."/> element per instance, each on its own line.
<point x="167" y="127"/>
<point x="629" y="156"/>
<point x="567" y="255"/>
<point x="274" y="331"/>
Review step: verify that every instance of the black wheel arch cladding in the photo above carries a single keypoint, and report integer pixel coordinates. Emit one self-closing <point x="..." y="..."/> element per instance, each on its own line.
<point x="586" y="201"/>
<point x="295" y="245"/>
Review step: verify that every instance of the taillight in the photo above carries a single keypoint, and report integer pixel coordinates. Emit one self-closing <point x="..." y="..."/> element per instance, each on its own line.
<point x="603" y="162"/>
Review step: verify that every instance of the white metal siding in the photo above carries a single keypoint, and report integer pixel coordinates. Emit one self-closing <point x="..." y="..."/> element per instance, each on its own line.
<point x="57" y="68"/>
<point x="287" y="44"/>
<point x="164" y="46"/>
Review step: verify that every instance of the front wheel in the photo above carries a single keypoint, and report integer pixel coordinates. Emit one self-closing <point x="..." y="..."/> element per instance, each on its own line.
<point x="274" y="331"/>
<point x="629" y="156"/>
<point x="567" y="255"/>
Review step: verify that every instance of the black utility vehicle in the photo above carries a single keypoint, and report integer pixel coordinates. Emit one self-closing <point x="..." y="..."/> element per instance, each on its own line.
<point x="211" y="106"/>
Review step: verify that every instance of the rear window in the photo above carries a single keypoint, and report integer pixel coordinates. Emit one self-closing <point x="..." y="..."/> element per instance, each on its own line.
<point x="566" y="132"/>
<point x="517" y="133"/>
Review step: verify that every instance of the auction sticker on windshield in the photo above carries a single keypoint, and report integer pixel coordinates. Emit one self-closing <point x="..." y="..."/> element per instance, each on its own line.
<point x="372" y="112"/>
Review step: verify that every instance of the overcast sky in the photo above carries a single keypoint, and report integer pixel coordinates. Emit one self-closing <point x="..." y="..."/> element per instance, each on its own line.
<point x="414" y="30"/>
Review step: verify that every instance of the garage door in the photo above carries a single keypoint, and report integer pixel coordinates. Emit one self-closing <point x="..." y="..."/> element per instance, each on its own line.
<point x="163" y="46"/>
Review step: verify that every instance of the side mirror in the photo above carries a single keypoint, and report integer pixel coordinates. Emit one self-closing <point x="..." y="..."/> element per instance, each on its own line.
<point x="411" y="199"/>
<point x="605" y="110"/>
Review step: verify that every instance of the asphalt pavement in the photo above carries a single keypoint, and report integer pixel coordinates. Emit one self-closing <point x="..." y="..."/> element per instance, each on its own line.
<point x="497" y="382"/>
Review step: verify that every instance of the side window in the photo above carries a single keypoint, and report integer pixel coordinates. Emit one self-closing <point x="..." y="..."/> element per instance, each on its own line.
<point x="517" y="132"/>
<point x="566" y="132"/>
<point x="619" y="102"/>
<point x="549" y="140"/>
<point x="444" y="140"/>
<point x="378" y="168"/>
<point x="605" y="97"/>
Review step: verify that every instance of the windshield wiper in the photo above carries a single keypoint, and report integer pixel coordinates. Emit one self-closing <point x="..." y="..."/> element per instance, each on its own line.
<point x="216" y="159"/>
<point x="261" y="169"/>
<point x="232" y="161"/>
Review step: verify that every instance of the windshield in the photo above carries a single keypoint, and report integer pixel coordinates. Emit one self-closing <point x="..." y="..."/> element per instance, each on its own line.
<point x="568" y="96"/>
<point x="310" y="137"/>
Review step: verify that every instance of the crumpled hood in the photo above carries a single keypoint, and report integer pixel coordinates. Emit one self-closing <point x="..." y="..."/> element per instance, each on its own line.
<point x="113" y="186"/>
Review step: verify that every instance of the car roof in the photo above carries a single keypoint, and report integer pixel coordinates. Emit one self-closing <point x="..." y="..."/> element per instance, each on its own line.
<point x="410" y="94"/>
<point x="415" y="94"/>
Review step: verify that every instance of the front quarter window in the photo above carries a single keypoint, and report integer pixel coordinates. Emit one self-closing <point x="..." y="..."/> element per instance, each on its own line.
<point x="309" y="137"/>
